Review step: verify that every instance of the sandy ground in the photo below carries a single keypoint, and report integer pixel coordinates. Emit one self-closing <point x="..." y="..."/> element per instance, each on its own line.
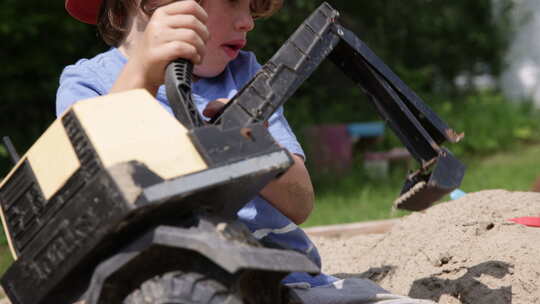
<point x="459" y="252"/>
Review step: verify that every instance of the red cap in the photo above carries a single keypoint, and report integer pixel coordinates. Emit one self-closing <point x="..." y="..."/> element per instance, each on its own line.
<point x="84" y="10"/>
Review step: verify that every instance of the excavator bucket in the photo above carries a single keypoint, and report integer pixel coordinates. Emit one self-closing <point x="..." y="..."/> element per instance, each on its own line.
<point x="321" y="36"/>
<point x="422" y="189"/>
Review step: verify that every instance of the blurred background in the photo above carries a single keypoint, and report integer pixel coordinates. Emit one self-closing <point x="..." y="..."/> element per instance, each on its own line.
<point x="476" y="63"/>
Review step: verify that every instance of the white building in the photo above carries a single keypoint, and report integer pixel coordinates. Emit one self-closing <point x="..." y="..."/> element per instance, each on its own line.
<point x="521" y="78"/>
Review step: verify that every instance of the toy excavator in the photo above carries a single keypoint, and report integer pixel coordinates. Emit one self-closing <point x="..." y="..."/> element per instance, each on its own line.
<point x="110" y="206"/>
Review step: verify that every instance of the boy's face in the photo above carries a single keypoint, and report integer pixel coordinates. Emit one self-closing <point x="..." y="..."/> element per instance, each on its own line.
<point x="229" y="21"/>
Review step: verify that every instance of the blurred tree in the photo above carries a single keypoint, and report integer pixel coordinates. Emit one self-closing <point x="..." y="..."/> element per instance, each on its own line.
<point x="39" y="39"/>
<point x="427" y="42"/>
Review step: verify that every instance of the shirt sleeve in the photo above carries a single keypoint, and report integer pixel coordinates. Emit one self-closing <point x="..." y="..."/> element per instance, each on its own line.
<point x="282" y="133"/>
<point x="76" y="83"/>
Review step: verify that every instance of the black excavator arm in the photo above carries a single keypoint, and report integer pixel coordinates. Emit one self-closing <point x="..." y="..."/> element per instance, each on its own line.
<point x="321" y="36"/>
<point x="96" y="209"/>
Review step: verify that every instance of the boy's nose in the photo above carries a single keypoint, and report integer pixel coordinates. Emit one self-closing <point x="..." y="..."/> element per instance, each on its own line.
<point x="244" y="22"/>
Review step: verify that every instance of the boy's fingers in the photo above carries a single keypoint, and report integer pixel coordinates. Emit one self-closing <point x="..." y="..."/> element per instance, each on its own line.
<point x="189" y="22"/>
<point x="187" y="36"/>
<point x="185" y="8"/>
<point x="180" y="49"/>
<point x="213" y="107"/>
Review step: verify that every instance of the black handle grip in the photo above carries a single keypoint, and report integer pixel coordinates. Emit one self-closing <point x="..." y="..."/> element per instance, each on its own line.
<point x="178" y="78"/>
<point x="11" y="150"/>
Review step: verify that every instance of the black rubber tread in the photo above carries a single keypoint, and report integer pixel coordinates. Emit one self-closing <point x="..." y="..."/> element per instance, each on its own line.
<point x="180" y="287"/>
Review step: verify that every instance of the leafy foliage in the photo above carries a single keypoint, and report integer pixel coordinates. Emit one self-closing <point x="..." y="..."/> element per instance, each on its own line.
<point x="39" y="39"/>
<point x="426" y="42"/>
<point x="490" y="122"/>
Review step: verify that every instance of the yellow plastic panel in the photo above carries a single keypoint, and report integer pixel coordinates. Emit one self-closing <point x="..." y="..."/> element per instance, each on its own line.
<point x="53" y="159"/>
<point x="133" y="126"/>
<point x="53" y="162"/>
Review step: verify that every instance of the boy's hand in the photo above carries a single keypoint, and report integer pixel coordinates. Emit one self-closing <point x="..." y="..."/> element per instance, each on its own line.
<point x="176" y="30"/>
<point x="213" y="107"/>
<point x="292" y="193"/>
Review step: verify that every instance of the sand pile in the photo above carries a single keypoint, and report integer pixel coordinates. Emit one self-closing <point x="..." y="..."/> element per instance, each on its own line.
<point x="464" y="251"/>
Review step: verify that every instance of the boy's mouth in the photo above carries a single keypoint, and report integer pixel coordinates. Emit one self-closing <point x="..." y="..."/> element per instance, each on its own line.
<point x="232" y="48"/>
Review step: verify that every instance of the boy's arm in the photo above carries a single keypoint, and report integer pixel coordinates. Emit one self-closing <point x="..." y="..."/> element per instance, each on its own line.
<point x="292" y="193"/>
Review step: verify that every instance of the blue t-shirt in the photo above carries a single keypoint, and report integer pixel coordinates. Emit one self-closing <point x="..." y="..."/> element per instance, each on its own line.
<point x="90" y="78"/>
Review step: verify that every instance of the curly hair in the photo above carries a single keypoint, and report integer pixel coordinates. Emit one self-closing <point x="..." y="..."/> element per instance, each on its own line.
<point x="113" y="14"/>
<point x="265" y="8"/>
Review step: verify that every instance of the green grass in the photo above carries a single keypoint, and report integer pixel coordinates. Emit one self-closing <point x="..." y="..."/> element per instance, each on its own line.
<point x="5" y="254"/>
<point x="515" y="170"/>
<point x="5" y="258"/>
<point x="357" y="198"/>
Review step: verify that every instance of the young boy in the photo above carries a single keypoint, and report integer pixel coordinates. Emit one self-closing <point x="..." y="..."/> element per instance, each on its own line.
<point x="145" y="36"/>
